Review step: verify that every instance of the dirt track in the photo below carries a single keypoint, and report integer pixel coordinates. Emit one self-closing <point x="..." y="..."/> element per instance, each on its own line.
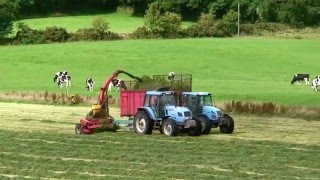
<point x="62" y="119"/>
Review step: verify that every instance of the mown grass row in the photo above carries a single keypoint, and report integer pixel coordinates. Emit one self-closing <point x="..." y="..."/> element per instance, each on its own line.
<point x="122" y="154"/>
<point x="38" y="141"/>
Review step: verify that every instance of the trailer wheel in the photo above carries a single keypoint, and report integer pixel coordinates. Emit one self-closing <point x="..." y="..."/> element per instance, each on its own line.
<point x="227" y="125"/>
<point x="142" y="124"/>
<point x="78" y="129"/>
<point x="206" y="124"/>
<point x="195" y="131"/>
<point x="169" y="127"/>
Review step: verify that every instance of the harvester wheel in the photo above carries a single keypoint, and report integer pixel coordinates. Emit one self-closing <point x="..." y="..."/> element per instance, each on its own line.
<point x="206" y="124"/>
<point x="197" y="130"/>
<point x="78" y="129"/>
<point x="142" y="124"/>
<point x="169" y="127"/>
<point x="227" y="125"/>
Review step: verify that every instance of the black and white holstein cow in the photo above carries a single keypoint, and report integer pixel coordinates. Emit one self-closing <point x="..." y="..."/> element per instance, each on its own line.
<point x="64" y="80"/>
<point x="300" y="77"/>
<point x="316" y="83"/>
<point x="118" y="83"/>
<point x="89" y="84"/>
<point x="60" y="73"/>
<point x="171" y="76"/>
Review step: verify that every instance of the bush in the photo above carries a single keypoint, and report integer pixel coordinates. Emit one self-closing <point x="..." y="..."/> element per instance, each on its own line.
<point x="143" y="33"/>
<point x="101" y="27"/>
<point x="56" y="34"/>
<point x="260" y="28"/>
<point x="207" y="26"/>
<point x="90" y="34"/>
<point x="166" y="25"/>
<point x="26" y="35"/>
<point x="230" y="21"/>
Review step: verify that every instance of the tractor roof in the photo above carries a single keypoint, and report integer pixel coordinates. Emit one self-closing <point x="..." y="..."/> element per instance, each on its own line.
<point x="196" y="93"/>
<point x="159" y="92"/>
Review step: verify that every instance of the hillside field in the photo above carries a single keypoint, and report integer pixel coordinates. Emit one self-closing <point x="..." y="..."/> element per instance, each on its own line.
<point x="38" y="142"/>
<point x="255" y="69"/>
<point x="118" y="22"/>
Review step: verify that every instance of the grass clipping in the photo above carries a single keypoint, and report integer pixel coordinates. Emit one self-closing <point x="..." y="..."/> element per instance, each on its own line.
<point x="149" y="83"/>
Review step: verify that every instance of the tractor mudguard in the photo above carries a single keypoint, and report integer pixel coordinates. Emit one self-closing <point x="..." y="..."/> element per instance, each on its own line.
<point x="149" y="111"/>
<point x="190" y="123"/>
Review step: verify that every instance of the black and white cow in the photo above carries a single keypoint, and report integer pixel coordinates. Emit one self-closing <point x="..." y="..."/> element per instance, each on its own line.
<point x="300" y="77"/>
<point x="316" y="83"/>
<point x="171" y="76"/>
<point x="64" y="80"/>
<point x="89" y="84"/>
<point x="118" y="83"/>
<point x="60" y="73"/>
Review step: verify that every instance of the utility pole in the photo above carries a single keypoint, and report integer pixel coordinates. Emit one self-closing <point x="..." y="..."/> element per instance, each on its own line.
<point x="238" y="17"/>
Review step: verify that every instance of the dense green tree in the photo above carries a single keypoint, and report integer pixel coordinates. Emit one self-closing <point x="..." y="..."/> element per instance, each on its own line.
<point x="8" y="11"/>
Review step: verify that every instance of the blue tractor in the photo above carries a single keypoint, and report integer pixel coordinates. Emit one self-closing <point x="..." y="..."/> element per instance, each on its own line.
<point x="160" y="111"/>
<point x="201" y="106"/>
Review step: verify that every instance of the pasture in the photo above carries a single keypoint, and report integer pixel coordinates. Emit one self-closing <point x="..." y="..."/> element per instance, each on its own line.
<point x="118" y="22"/>
<point x="254" y="69"/>
<point x="38" y="141"/>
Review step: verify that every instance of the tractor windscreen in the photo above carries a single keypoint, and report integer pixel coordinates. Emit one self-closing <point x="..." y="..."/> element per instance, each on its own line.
<point x="168" y="100"/>
<point x="206" y="100"/>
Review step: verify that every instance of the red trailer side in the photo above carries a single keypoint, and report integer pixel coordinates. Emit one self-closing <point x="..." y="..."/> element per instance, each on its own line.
<point x="130" y="101"/>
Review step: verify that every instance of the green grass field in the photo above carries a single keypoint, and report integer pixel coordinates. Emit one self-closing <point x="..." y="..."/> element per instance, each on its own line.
<point x="38" y="141"/>
<point x="254" y="69"/>
<point x="118" y="22"/>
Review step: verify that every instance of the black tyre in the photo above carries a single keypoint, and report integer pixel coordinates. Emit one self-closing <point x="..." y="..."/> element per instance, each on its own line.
<point x="227" y="125"/>
<point x="142" y="124"/>
<point x="206" y="124"/>
<point x="169" y="127"/>
<point x="197" y="130"/>
<point x="78" y="129"/>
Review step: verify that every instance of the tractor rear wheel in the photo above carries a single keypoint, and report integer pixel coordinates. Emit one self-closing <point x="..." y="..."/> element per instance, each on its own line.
<point x="206" y="124"/>
<point x="78" y="129"/>
<point x="227" y="125"/>
<point x="197" y="130"/>
<point x="142" y="124"/>
<point x="169" y="127"/>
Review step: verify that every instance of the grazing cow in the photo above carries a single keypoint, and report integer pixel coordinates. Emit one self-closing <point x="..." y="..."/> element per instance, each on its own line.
<point x="118" y="83"/>
<point x="89" y="84"/>
<point x="171" y="76"/>
<point x="316" y="83"/>
<point x="60" y="73"/>
<point x="64" y="79"/>
<point x="300" y="77"/>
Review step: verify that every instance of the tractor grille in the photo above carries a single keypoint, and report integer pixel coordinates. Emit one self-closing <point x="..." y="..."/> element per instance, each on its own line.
<point x="187" y="113"/>
<point x="220" y="114"/>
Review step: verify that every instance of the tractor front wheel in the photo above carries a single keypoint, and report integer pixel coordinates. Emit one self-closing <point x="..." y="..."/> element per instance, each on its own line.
<point x="227" y="125"/>
<point x="142" y="124"/>
<point x="78" y="129"/>
<point x="197" y="130"/>
<point x="169" y="127"/>
<point x="206" y="124"/>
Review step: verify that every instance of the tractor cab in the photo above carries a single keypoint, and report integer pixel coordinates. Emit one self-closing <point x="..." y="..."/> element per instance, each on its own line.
<point x="164" y="104"/>
<point x="202" y="107"/>
<point x="200" y="103"/>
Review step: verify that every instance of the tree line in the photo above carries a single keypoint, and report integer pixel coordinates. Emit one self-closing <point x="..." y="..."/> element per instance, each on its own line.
<point x="295" y="13"/>
<point x="292" y="12"/>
